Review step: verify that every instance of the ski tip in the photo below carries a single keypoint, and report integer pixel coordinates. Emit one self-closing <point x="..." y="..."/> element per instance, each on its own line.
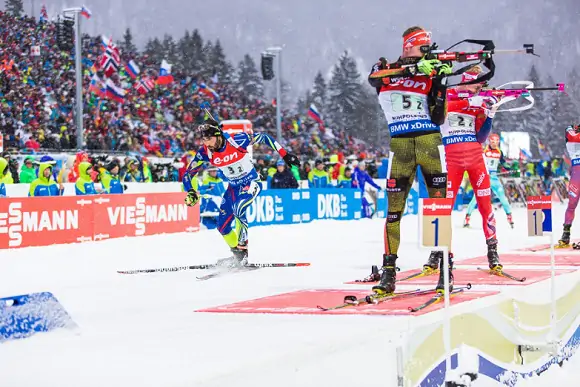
<point x="322" y="308"/>
<point x="523" y="279"/>
<point x="303" y="264"/>
<point x="468" y="286"/>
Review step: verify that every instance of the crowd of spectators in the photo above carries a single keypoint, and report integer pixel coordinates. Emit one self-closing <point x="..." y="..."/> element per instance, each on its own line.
<point x="37" y="96"/>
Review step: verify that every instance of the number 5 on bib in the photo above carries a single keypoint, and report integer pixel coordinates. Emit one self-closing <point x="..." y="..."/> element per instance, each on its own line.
<point x="436" y="222"/>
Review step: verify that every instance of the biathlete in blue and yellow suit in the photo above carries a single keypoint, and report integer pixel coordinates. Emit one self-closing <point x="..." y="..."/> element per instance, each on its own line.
<point x="229" y="154"/>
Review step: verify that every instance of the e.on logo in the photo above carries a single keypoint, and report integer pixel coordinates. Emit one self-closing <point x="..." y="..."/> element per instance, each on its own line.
<point x="15" y="222"/>
<point x="411" y="84"/>
<point x="225" y="160"/>
<point x="140" y="214"/>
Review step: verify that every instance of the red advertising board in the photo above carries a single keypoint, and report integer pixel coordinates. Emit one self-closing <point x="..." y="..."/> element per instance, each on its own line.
<point x="43" y="221"/>
<point x="143" y="214"/>
<point x="437" y="206"/>
<point x="539" y="202"/>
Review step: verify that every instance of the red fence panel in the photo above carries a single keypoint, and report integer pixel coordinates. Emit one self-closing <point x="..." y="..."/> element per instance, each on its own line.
<point x="119" y="216"/>
<point x="43" y="221"/>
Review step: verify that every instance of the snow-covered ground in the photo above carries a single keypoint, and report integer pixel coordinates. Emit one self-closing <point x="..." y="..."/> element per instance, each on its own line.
<point x="141" y="330"/>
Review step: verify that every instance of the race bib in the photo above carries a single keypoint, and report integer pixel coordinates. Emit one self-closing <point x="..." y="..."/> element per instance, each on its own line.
<point x="461" y="121"/>
<point x="407" y="103"/>
<point x="492" y="164"/>
<point x="238" y="169"/>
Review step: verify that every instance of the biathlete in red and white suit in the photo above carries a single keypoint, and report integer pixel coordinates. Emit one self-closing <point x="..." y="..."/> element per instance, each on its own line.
<point x="467" y="126"/>
<point x="573" y="148"/>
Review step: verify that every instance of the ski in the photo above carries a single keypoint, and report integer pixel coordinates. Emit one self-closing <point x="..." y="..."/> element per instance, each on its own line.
<point x="374" y="276"/>
<point x="419" y="274"/>
<point x="438" y="298"/>
<point x="557" y="246"/>
<point x="501" y="273"/>
<point x="211" y="266"/>
<point x="374" y="298"/>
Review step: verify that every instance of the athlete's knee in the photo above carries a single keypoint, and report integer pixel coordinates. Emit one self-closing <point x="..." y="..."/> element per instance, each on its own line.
<point x="224" y="223"/>
<point x="436" y="180"/>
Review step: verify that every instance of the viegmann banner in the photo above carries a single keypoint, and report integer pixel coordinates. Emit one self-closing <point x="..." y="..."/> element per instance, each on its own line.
<point x="118" y="216"/>
<point x="43" y="221"/>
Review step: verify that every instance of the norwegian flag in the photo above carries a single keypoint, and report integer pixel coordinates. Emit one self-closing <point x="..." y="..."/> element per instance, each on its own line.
<point x="109" y="66"/>
<point x="111" y="59"/>
<point x="144" y="86"/>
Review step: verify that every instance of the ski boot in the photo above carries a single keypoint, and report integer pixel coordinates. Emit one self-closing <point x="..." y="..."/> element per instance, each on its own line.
<point x="388" y="276"/>
<point x="510" y="220"/>
<point x="240" y="254"/>
<point x="565" y="240"/>
<point x="492" y="256"/>
<point x="466" y="222"/>
<point x="432" y="264"/>
<point x="441" y="283"/>
<point x="373" y="277"/>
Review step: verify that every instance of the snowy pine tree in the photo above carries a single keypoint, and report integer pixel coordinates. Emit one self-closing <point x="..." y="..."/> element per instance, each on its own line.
<point x="154" y="49"/>
<point x="14" y="7"/>
<point x="223" y="68"/>
<point x="185" y="61"/>
<point x="208" y="66"/>
<point x="319" y="92"/>
<point x="548" y="135"/>
<point x="248" y="78"/>
<point x="127" y="46"/>
<point x="345" y="94"/>
<point x="533" y="121"/>
<point x="195" y="48"/>
<point x="170" y="49"/>
<point x="573" y="89"/>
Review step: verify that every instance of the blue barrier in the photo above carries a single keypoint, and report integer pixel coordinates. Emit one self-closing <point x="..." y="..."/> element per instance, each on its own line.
<point x="25" y="315"/>
<point x="286" y="206"/>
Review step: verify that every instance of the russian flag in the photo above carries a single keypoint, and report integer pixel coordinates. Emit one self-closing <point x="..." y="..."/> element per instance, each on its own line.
<point x="86" y="12"/>
<point x="165" y="76"/>
<point x="209" y="92"/>
<point x="315" y="115"/>
<point x="106" y="42"/>
<point x="115" y="93"/>
<point x="133" y="69"/>
<point x="96" y="86"/>
<point x="525" y="154"/>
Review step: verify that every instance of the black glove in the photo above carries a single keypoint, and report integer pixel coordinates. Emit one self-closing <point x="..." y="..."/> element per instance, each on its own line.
<point x="291" y="160"/>
<point x="192" y="198"/>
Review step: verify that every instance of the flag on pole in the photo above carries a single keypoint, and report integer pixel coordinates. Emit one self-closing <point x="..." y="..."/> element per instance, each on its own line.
<point x="115" y="93"/>
<point x="86" y="12"/>
<point x="544" y="152"/>
<point x="132" y="69"/>
<point x="315" y="115"/>
<point x="525" y="154"/>
<point x="203" y="88"/>
<point x="97" y="86"/>
<point x="144" y="86"/>
<point x="165" y="76"/>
